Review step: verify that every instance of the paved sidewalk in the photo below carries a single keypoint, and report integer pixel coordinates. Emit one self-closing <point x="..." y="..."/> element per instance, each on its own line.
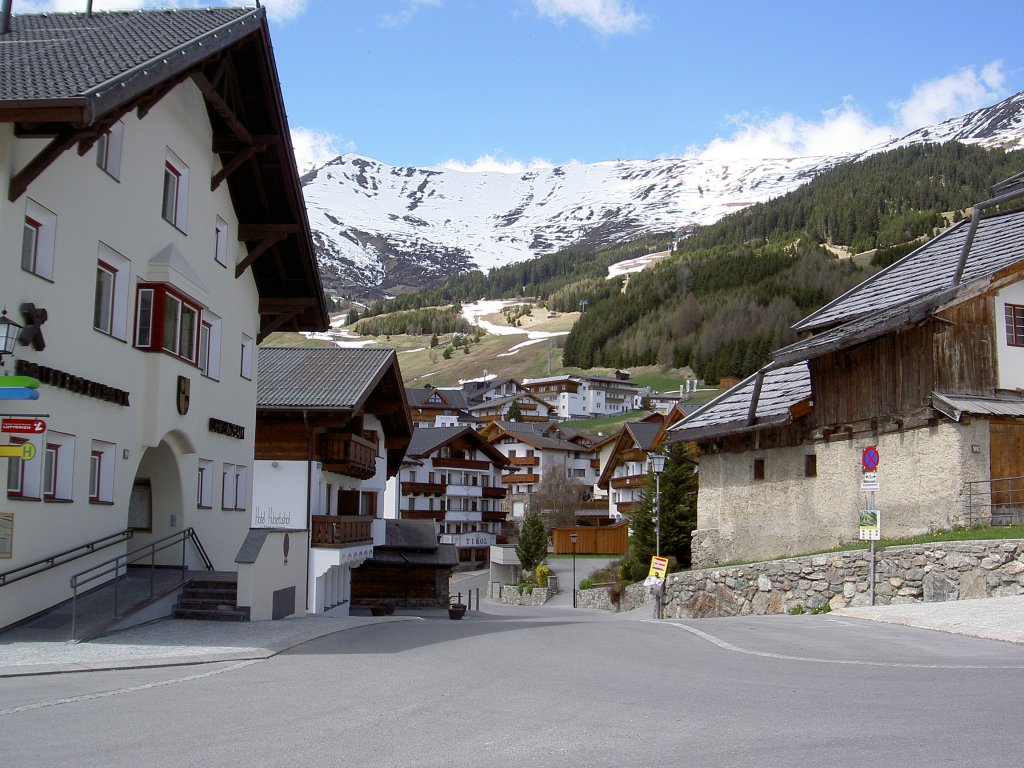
<point x="991" y="618"/>
<point x="173" y="642"/>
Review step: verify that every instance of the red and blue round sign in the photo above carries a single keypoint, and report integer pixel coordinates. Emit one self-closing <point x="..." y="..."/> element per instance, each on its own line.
<point x="869" y="459"/>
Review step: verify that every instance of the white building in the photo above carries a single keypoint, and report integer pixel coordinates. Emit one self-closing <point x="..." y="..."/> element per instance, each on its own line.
<point x="574" y="396"/>
<point x="452" y="475"/>
<point x="161" y="233"/>
<point x="332" y="427"/>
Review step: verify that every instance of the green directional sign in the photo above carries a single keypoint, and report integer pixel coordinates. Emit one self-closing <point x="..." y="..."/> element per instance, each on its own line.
<point x="19" y="381"/>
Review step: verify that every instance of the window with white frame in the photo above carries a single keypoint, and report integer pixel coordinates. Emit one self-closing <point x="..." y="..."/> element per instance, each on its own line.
<point x="23" y="477"/>
<point x="220" y="245"/>
<point x="39" y="239"/>
<point x="241" y="493"/>
<point x="58" y="466"/>
<point x="209" y="345"/>
<point x="110" y="304"/>
<point x="101" y="472"/>
<point x="6" y="535"/>
<point x="227" y="487"/>
<point x="248" y="345"/>
<point x="175" y="192"/>
<point x="108" y="150"/>
<point x="204" y="484"/>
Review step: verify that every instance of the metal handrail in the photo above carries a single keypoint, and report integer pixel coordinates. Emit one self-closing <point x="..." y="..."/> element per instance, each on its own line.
<point x="995" y="501"/>
<point x="52" y="561"/>
<point x="120" y="564"/>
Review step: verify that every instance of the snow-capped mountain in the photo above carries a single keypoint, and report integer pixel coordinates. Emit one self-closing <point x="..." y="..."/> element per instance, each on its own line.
<point x="380" y="229"/>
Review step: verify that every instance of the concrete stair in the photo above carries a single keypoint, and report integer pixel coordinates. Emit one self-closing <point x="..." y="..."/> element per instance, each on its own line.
<point x="211" y="598"/>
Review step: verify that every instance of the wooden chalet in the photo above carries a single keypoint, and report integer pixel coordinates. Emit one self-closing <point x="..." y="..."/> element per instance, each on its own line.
<point x="923" y="361"/>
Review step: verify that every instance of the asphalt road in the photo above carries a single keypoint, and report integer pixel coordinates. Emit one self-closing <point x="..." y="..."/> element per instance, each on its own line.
<point x="544" y="687"/>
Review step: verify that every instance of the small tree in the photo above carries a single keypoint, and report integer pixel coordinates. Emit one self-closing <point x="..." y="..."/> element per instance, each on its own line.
<point x="514" y="413"/>
<point x="532" y="547"/>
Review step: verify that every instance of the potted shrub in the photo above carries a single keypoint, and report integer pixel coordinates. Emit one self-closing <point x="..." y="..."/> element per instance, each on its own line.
<point x="456" y="610"/>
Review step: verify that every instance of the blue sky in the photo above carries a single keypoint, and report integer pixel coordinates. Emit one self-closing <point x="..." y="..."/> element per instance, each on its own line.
<point x="505" y="84"/>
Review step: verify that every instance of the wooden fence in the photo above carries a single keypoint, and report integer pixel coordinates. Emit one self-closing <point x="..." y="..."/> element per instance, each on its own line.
<point x="606" y="540"/>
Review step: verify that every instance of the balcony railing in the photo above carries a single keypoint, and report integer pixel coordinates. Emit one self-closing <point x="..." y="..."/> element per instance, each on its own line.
<point x="494" y="516"/>
<point x="464" y="491"/>
<point x="524" y="478"/>
<point x="339" y="531"/>
<point x="524" y="461"/>
<point x="495" y="492"/>
<point x="461" y="463"/>
<point x="634" y="454"/>
<point x="422" y="514"/>
<point x="348" y="454"/>
<point x="629" y="481"/>
<point x="427" y="489"/>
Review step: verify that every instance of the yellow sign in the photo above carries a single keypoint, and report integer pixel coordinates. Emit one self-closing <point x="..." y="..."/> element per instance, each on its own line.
<point x="25" y="451"/>
<point x="659" y="567"/>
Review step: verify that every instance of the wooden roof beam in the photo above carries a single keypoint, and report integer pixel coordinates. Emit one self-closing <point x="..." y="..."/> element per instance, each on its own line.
<point x="57" y="146"/>
<point x="221" y="107"/>
<point x="262" y="247"/>
<point x="235" y="163"/>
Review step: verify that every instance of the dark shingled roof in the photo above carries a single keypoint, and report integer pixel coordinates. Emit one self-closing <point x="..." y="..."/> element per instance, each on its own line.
<point x="426" y="440"/>
<point x="319" y="377"/>
<point x="727" y="414"/>
<point x="107" y="57"/>
<point x="928" y="270"/>
<point x="453" y="398"/>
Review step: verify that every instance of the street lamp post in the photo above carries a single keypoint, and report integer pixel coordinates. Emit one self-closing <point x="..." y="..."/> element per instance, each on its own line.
<point x="572" y="538"/>
<point x="658" y="466"/>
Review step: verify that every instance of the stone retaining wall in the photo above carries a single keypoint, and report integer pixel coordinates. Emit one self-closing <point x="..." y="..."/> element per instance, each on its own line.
<point x="909" y="574"/>
<point x="510" y="595"/>
<point x="915" y="573"/>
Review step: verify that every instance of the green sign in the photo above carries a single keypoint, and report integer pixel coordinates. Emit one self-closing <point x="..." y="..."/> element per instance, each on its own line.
<point x="19" y="381"/>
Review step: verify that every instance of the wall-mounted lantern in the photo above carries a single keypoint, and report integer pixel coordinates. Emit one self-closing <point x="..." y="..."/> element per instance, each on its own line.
<point x="9" y="331"/>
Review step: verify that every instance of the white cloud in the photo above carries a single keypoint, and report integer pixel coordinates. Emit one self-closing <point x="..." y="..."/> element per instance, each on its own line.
<point x="317" y="147"/>
<point x="489" y="163"/>
<point x="949" y="96"/>
<point x="279" y="10"/>
<point x="847" y="129"/>
<point x="406" y="14"/>
<point x="609" y="17"/>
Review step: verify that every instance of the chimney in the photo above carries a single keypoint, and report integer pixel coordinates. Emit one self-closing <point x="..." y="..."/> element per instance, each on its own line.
<point x="5" y="17"/>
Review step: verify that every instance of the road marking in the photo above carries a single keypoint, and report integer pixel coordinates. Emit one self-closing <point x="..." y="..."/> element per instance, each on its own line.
<point x="132" y="689"/>
<point x="784" y="657"/>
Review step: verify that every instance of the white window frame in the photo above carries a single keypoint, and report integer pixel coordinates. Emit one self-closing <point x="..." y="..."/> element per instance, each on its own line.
<point x="6" y="535"/>
<point x="248" y="347"/>
<point x="241" y="488"/>
<point x="111" y="262"/>
<point x="183" y="342"/>
<point x="58" y="466"/>
<point x="220" y="245"/>
<point x="209" y="345"/>
<point x="204" y="484"/>
<point x="174" y="200"/>
<point x="40" y="229"/>
<point x="101" y="472"/>
<point x="29" y="473"/>
<point x="227" y="487"/>
<point x="108" y="150"/>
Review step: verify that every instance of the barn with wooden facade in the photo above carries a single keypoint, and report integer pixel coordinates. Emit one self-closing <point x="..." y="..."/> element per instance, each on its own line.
<point x="924" y="361"/>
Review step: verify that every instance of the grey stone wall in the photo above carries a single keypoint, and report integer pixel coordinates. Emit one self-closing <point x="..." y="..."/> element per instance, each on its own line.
<point x="908" y="574"/>
<point x="510" y="595"/>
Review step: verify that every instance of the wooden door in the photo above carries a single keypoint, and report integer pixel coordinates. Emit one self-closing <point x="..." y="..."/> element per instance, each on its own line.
<point x="1006" y="444"/>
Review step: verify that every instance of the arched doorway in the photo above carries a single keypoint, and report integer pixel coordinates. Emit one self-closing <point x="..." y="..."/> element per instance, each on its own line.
<point x="157" y="503"/>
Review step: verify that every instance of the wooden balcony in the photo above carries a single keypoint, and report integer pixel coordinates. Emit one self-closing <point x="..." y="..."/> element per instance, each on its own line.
<point x="348" y="454"/>
<point x="634" y="454"/>
<point x="495" y="492"/>
<point x="629" y="481"/>
<point x="496" y="516"/>
<point x="341" y="531"/>
<point x="422" y="514"/>
<point x="595" y="463"/>
<point x="425" y="489"/>
<point x="523" y="478"/>
<point x="524" y="461"/>
<point x="627" y="507"/>
<point x="461" y="464"/>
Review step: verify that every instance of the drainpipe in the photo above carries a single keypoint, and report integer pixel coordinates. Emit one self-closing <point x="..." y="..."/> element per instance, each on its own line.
<point x="309" y="508"/>
<point x="5" y="16"/>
